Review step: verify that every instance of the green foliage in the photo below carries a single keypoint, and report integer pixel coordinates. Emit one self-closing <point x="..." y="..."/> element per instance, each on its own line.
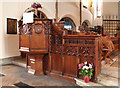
<point x="86" y="72"/>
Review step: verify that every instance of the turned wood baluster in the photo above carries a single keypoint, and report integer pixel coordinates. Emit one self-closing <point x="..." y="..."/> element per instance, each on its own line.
<point x="63" y="70"/>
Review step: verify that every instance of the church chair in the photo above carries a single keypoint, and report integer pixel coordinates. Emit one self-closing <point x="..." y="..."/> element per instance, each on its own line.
<point x="107" y="47"/>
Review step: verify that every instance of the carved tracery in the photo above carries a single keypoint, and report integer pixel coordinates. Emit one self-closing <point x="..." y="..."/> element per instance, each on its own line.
<point x="38" y="28"/>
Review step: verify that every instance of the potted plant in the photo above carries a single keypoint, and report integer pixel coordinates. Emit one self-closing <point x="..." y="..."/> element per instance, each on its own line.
<point x="36" y="5"/>
<point x="86" y="70"/>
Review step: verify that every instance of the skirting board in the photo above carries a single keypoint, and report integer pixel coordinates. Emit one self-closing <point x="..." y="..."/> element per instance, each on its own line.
<point x="5" y="61"/>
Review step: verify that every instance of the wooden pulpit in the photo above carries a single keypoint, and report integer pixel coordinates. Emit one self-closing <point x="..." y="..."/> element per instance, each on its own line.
<point x="34" y="41"/>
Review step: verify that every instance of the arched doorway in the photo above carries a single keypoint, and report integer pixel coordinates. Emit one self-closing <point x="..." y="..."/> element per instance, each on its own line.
<point x="85" y="24"/>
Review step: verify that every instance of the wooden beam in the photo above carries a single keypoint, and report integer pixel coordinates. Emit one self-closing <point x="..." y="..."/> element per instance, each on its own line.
<point x="80" y="12"/>
<point x="56" y="6"/>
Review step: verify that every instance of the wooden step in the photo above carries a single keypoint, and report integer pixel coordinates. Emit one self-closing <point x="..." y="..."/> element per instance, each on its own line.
<point x="20" y="62"/>
<point x="81" y="82"/>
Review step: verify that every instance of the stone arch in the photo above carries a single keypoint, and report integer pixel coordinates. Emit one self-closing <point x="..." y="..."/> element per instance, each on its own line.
<point x="86" y="22"/>
<point x="76" y="22"/>
<point x="69" y="23"/>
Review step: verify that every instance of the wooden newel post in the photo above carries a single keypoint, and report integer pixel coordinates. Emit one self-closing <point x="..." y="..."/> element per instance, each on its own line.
<point x="56" y="11"/>
<point x="36" y="12"/>
<point x="63" y="60"/>
<point x="96" y="63"/>
<point x="80" y="12"/>
<point x="102" y="32"/>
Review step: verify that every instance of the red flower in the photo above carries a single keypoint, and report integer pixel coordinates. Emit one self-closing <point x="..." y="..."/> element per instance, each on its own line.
<point x="36" y="5"/>
<point x="33" y="5"/>
<point x="80" y="65"/>
<point x="39" y="5"/>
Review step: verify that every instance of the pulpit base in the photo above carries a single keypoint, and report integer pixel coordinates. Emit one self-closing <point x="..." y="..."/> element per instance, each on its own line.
<point x="35" y="63"/>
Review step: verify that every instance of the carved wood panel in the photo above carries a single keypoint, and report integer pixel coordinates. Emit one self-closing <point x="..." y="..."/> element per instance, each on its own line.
<point x="35" y="35"/>
<point x="74" y="51"/>
<point x="57" y="63"/>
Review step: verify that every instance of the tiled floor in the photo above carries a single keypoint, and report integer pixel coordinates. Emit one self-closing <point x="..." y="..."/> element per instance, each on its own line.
<point x="113" y="68"/>
<point x="15" y="74"/>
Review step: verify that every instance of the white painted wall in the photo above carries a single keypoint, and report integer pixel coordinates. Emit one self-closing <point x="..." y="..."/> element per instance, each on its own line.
<point x="69" y="9"/>
<point x="110" y="8"/>
<point x="87" y="15"/>
<point x="10" y="43"/>
<point x="1" y="29"/>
